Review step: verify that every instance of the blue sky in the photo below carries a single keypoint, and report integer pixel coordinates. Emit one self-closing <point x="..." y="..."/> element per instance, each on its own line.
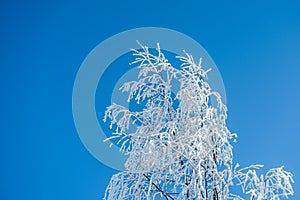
<point x="255" y="45"/>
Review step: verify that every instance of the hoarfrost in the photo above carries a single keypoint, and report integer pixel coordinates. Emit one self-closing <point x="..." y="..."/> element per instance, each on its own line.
<point x="181" y="147"/>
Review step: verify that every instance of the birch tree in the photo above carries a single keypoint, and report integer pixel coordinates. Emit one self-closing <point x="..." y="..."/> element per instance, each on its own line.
<point x="178" y="144"/>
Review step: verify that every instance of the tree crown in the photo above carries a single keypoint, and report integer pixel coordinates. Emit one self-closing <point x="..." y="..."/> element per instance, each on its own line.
<point x="178" y="144"/>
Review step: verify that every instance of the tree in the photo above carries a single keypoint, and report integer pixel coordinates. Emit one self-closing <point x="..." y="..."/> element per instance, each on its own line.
<point x="179" y="146"/>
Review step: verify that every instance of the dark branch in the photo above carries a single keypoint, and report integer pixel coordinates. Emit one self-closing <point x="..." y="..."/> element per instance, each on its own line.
<point x="166" y="195"/>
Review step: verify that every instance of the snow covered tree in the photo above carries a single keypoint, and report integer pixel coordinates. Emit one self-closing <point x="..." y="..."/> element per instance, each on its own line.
<point x="179" y="146"/>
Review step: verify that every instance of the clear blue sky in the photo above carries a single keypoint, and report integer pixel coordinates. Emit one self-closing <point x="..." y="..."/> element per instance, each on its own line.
<point x="255" y="44"/>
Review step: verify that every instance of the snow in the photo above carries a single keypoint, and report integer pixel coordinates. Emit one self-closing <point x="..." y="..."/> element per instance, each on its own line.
<point x="181" y="147"/>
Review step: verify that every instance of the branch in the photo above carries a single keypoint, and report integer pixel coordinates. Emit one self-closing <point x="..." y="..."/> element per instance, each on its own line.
<point x="166" y="195"/>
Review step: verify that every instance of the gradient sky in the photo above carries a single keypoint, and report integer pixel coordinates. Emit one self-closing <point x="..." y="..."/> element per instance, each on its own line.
<point x="255" y="44"/>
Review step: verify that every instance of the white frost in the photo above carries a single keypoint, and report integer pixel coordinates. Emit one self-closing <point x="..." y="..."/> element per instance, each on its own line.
<point x="179" y="146"/>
